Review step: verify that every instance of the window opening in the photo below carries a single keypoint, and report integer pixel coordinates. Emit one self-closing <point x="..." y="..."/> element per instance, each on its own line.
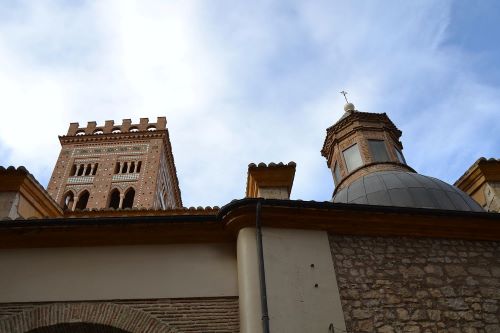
<point x="88" y="170"/>
<point x="114" y="200"/>
<point x="400" y="156"/>
<point x="83" y="199"/>
<point x="128" y="201"/>
<point x="73" y="170"/>
<point x="378" y="150"/>
<point x="94" y="171"/>
<point x="139" y="166"/>
<point x="124" y="168"/>
<point x="352" y="157"/>
<point x="336" y="173"/>
<point x="80" y="171"/>
<point x="68" y="201"/>
<point x="132" y="167"/>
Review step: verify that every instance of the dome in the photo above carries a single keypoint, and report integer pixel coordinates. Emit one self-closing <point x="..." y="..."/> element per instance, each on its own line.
<point x="405" y="189"/>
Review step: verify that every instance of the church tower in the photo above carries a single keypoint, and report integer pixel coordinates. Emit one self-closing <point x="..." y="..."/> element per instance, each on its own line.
<point x="360" y="143"/>
<point x="116" y="166"/>
<point x="366" y="158"/>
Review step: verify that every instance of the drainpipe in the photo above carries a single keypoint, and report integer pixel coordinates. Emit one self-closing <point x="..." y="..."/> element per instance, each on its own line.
<point x="262" y="272"/>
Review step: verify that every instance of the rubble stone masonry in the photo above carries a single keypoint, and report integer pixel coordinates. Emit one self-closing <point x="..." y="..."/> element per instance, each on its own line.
<point x="418" y="285"/>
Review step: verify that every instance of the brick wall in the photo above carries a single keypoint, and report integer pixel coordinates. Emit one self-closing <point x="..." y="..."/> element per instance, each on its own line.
<point x="418" y="285"/>
<point x="193" y="315"/>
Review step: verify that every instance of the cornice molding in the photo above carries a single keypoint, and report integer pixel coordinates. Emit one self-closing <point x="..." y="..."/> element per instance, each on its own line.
<point x="342" y="219"/>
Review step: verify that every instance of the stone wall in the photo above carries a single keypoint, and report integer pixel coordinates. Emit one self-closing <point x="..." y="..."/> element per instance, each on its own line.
<point x="418" y="285"/>
<point x="193" y="315"/>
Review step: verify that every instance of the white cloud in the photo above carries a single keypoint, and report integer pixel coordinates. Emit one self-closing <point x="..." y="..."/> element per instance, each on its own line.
<point x="238" y="82"/>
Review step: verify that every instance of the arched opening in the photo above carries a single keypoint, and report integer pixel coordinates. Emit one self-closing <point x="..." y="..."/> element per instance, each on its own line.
<point x="73" y="170"/>
<point x="98" y="131"/>
<point x="116" y="130"/>
<point x="117" y="167"/>
<point x="124" y="168"/>
<point x="80" y="170"/>
<point x="77" y="328"/>
<point x="151" y="128"/>
<point x="80" y="132"/>
<point x="132" y="167"/>
<point x="133" y="129"/>
<point x="68" y="200"/>
<point x="88" y="169"/>
<point x="138" y="166"/>
<point x="114" y="199"/>
<point x="94" y="171"/>
<point x="83" y="199"/>
<point x="128" y="201"/>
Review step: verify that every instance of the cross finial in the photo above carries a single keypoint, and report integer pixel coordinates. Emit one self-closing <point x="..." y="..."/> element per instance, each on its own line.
<point x="344" y="93"/>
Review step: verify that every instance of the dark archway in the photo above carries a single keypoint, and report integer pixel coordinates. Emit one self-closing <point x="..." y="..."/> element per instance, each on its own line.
<point x="114" y="199"/>
<point x="83" y="200"/>
<point x="128" y="201"/>
<point x="77" y="328"/>
<point x="68" y="200"/>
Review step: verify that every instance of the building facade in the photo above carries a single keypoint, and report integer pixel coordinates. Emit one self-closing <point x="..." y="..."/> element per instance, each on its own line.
<point x="392" y="251"/>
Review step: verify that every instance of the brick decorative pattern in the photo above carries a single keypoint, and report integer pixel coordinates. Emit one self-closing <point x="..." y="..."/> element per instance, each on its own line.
<point x="418" y="285"/>
<point x="190" y="315"/>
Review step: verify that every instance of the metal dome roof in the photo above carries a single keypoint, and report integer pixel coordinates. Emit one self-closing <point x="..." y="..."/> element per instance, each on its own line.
<point x="405" y="189"/>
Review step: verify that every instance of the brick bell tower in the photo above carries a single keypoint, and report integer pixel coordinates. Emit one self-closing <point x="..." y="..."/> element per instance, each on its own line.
<point x="360" y="143"/>
<point x="116" y="166"/>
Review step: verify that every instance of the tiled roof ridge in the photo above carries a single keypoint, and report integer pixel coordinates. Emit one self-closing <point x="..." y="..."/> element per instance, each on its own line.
<point x="271" y="165"/>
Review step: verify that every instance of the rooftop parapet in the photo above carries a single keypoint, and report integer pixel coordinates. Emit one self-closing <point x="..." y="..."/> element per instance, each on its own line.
<point x="272" y="181"/>
<point x="110" y="128"/>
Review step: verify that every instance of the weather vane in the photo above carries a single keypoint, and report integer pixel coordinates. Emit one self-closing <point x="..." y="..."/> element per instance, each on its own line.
<point x="344" y="93"/>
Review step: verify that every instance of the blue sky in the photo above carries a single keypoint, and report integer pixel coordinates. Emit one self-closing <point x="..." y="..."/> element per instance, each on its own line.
<point x="243" y="82"/>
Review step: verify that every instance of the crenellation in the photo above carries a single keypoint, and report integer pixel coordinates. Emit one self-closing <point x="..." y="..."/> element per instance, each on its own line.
<point x="108" y="126"/>
<point x="161" y="123"/>
<point x="143" y="124"/>
<point x="73" y="128"/>
<point x="126" y="124"/>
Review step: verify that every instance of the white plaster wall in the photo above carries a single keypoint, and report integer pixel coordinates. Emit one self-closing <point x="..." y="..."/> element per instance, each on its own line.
<point x="248" y="282"/>
<point x="120" y="272"/>
<point x="295" y="304"/>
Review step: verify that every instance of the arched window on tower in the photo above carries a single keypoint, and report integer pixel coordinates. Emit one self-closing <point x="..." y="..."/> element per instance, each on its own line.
<point x="94" y="170"/>
<point x="138" y="169"/>
<point x="68" y="200"/>
<point x="128" y="201"/>
<point x="114" y="199"/>
<point x="132" y="167"/>
<point x="83" y="199"/>
<point x="124" y="167"/>
<point x="73" y="170"/>
<point x="80" y="171"/>
<point x="88" y="170"/>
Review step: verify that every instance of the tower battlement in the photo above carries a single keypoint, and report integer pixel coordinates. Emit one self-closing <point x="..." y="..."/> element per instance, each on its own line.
<point x="111" y="128"/>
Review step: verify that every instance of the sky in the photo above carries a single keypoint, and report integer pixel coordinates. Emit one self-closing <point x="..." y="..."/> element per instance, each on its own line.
<point x="252" y="81"/>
